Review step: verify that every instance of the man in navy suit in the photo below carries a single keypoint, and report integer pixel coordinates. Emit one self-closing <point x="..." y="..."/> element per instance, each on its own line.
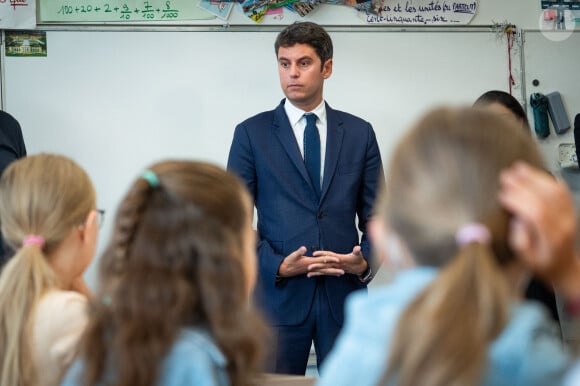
<point x="309" y="252"/>
<point x="12" y="147"/>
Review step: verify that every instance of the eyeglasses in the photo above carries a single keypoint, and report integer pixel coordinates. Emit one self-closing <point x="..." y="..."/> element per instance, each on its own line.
<point x="100" y="217"/>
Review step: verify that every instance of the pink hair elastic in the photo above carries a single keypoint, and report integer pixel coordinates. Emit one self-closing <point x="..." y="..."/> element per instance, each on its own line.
<point x="473" y="233"/>
<point x="33" y="240"/>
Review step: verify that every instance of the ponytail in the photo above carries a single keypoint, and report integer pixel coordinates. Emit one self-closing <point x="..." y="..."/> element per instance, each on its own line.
<point x="23" y="281"/>
<point x="445" y="331"/>
<point x="44" y="197"/>
<point x="443" y="167"/>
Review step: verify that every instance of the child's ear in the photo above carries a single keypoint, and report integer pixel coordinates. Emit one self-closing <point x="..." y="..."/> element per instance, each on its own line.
<point x="89" y="225"/>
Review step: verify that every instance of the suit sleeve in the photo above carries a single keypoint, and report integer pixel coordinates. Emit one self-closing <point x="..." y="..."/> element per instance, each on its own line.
<point x="12" y="145"/>
<point x="241" y="161"/>
<point x="372" y="178"/>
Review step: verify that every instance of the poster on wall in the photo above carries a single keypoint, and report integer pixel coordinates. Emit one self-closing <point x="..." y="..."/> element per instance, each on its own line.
<point x="421" y="12"/>
<point x="25" y="43"/>
<point x="219" y="9"/>
<point x="395" y="12"/>
<point x="17" y="14"/>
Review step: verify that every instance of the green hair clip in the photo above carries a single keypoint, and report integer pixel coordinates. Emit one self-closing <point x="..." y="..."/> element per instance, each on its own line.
<point x="151" y="178"/>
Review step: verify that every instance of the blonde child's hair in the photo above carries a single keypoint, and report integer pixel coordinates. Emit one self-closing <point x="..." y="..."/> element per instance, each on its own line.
<point x="42" y="195"/>
<point x="443" y="175"/>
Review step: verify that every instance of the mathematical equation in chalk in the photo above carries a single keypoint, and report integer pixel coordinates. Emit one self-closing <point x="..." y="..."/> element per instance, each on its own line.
<point x="147" y="11"/>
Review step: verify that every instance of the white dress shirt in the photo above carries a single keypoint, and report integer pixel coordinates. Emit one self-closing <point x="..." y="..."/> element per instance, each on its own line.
<point x="298" y="124"/>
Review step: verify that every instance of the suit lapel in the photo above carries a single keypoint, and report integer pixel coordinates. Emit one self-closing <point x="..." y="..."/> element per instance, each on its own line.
<point x="286" y="137"/>
<point x="334" y="135"/>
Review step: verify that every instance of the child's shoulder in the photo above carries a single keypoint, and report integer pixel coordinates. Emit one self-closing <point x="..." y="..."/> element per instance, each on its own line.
<point x="529" y="350"/>
<point x="528" y="321"/>
<point x="195" y="358"/>
<point x="405" y="286"/>
<point x="198" y="340"/>
<point x="57" y="297"/>
<point x="61" y="310"/>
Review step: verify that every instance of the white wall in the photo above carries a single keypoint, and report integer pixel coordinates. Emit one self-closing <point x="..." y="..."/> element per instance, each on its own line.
<point x="117" y="101"/>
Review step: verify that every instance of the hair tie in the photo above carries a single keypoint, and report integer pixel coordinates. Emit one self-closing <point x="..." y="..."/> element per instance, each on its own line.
<point x="107" y="300"/>
<point x="33" y="240"/>
<point x="151" y="178"/>
<point x="473" y="233"/>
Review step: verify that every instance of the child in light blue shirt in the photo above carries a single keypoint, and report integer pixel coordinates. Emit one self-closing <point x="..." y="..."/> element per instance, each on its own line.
<point x="453" y="315"/>
<point x="173" y="306"/>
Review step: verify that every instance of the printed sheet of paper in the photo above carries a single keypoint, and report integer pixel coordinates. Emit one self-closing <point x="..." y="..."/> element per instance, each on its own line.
<point x="219" y="8"/>
<point x="17" y="14"/>
<point x="421" y="12"/>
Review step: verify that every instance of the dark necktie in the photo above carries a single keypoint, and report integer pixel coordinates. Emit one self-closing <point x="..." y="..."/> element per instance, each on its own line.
<point x="312" y="151"/>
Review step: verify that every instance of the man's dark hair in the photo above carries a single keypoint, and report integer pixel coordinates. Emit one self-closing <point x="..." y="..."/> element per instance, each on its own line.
<point x="306" y="33"/>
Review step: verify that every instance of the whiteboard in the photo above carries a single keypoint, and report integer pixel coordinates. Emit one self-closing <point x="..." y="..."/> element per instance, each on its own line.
<point x="118" y="101"/>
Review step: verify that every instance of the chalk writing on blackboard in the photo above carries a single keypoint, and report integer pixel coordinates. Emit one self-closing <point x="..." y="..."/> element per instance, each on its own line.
<point x="121" y="10"/>
<point x="421" y="12"/>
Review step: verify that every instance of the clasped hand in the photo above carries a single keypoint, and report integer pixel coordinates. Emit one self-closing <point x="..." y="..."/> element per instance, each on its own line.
<point x="323" y="263"/>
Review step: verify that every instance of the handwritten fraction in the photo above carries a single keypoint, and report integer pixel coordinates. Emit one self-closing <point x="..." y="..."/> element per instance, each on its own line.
<point x="124" y="12"/>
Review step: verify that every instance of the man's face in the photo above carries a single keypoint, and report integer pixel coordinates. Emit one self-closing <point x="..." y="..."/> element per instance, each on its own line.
<point x="301" y="76"/>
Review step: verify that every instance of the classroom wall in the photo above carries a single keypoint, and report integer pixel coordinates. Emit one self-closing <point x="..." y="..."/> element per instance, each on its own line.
<point x="118" y="101"/>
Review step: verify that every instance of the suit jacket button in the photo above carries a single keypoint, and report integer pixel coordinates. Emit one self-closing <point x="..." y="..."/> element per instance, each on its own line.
<point x="320" y="215"/>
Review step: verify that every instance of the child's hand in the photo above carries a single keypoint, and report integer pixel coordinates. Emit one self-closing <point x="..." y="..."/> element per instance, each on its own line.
<point x="543" y="231"/>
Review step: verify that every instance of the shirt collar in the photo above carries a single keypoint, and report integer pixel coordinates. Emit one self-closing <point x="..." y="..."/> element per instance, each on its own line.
<point x="294" y="114"/>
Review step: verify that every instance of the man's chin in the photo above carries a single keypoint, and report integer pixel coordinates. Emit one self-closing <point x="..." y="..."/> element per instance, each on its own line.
<point x="296" y="99"/>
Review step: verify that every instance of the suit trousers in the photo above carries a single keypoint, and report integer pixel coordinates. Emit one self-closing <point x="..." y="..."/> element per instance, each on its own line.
<point x="293" y="343"/>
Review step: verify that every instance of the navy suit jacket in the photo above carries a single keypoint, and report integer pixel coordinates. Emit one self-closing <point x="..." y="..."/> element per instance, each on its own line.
<point x="12" y="147"/>
<point x="265" y="154"/>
